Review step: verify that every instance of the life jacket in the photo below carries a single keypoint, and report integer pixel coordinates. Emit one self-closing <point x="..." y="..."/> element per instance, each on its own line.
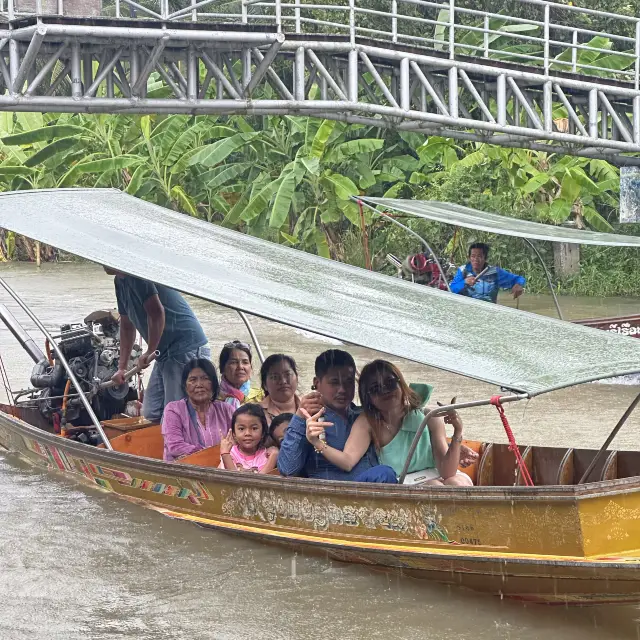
<point x="487" y="286"/>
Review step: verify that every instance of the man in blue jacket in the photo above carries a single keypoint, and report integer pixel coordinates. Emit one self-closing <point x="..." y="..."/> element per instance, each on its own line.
<point x="482" y="282"/>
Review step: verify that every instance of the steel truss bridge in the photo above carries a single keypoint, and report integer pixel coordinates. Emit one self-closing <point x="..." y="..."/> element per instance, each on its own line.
<point x="542" y="75"/>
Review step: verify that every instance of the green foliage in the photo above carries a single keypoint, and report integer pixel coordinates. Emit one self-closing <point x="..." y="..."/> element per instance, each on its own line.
<point x="291" y="180"/>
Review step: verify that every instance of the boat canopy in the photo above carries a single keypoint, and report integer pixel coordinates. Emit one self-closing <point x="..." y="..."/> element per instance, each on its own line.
<point x="459" y="216"/>
<point x="513" y="349"/>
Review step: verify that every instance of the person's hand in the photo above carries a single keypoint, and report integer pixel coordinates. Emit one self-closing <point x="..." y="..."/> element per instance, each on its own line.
<point x="310" y="403"/>
<point x="517" y="290"/>
<point x="118" y="377"/>
<point x="453" y="418"/>
<point x="226" y="444"/>
<point x="145" y="359"/>
<point x="470" y="281"/>
<point x="467" y="456"/>
<point x="315" y="427"/>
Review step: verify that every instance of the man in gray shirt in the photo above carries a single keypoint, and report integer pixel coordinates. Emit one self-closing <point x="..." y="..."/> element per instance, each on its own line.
<point x="168" y="325"/>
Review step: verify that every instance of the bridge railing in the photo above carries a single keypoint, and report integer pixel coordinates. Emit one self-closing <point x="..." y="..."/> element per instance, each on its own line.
<point x="548" y="35"/>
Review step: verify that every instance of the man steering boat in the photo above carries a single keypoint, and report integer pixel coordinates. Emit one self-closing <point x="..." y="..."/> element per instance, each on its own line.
<point x="480" y="281"/>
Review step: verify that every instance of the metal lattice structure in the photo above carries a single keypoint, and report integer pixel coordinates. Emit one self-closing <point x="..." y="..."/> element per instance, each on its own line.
<point x="552" y="77"/>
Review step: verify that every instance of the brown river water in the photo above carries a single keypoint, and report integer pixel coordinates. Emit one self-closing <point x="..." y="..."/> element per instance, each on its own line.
<point x="78" y="563"/>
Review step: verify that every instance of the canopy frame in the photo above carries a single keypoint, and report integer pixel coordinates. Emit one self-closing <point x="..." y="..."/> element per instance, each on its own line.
<point x="427" y="246"/>
<point x="252" y="333"/>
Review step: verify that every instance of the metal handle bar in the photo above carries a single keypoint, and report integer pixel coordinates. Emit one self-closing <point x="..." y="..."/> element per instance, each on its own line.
<point x="129" y="374"/>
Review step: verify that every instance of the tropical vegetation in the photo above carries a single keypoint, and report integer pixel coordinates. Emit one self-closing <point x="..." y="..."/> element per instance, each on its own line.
<point x="290" y="179"/>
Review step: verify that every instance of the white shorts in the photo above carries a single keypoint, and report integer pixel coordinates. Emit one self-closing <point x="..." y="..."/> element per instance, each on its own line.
<point x="418" y="477"/>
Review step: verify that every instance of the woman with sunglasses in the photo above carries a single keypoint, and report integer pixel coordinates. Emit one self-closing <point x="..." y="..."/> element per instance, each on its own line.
<point x="391" y="415"/>
<point x="236" y="370"/>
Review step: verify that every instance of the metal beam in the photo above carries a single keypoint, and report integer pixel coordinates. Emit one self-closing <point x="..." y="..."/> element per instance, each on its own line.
<point x="263" y="67"/>
<point x="152" y="60"/>
<point x="326" y="75"/>
<point x="280" y="87"/>
<point x="219" y="75"/>
<point x="29" y="58"/>
<point x="48" y="67"/>
<point x="53" y="87"/>
<point x="103" y="71"/>
<point x="177" y="90"/>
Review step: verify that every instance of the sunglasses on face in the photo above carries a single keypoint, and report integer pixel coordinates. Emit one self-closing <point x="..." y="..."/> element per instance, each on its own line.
<point x="380" y="389"/>
<point x="236" y="344"/>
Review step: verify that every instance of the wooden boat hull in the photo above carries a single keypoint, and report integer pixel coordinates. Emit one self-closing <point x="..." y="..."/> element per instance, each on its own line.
<point x="550" y="544"/>
<point x="623" y="325"/>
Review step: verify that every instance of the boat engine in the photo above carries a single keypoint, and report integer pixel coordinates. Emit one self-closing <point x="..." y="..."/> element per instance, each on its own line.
<point x="422" y="269"/>
<point x="92" y="350"/>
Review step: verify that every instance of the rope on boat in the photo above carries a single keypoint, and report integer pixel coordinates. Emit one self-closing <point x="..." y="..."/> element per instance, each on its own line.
<point x="495" y="401"/>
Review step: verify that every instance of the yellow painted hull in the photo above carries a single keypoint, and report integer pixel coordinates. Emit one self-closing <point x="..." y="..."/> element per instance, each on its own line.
<point x="552" y="544"/>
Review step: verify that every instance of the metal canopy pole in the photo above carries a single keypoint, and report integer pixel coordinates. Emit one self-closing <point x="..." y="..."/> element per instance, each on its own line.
<point x="546" y="273"/>
<point x="252" y="333"/>
<point x="413" y="233"/>
<point x="63" y="360"/>
<point x="446" y="409"/>
<point x="607" y="442"/>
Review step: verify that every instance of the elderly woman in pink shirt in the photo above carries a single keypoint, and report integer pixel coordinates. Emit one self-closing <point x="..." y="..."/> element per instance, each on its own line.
<point x="199" y="420"/>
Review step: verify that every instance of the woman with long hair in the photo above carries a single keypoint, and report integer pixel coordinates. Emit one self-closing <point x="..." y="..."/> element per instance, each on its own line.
<point x="391" y="415"/>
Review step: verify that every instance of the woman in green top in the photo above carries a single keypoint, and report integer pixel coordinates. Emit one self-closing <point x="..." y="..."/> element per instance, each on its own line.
<point x="391" y="415"/>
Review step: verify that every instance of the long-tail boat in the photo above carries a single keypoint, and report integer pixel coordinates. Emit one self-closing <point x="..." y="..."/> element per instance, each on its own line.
<point x="573" y="537"/>
<point x="527" y="230"/>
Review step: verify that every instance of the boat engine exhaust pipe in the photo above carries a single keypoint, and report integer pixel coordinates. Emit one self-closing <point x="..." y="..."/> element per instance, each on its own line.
<point x="27" y="342"/>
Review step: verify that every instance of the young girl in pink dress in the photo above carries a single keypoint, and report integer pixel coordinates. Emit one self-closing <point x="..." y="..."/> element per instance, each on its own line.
<point x="243" y="448"/>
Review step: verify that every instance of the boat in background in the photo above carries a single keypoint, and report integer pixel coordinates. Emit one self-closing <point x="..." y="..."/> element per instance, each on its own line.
<point x="573" y="538"/>
<point x="460" y="216"/>
<point x="622" y="325"/>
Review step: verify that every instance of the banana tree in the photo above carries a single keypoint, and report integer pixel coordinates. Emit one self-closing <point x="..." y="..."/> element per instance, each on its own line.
<point x="291" y="179"/>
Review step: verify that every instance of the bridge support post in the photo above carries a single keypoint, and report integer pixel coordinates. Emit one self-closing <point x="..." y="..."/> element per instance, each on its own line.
<point x="593" y="113"/>
<point x="547" y="104"/>
<point x="76" y="71"/>
<point x="630" y="194"/>
<point x="298" y="79"/>
<point x="566" y="259"/>
<point x="405" y="80"/>
<point x="246" y="67"/>
<point x="192" y="73"/>
<point x="501" y="99"/>
<point x="453" y="92"/>
<point x="352" y="85"/>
